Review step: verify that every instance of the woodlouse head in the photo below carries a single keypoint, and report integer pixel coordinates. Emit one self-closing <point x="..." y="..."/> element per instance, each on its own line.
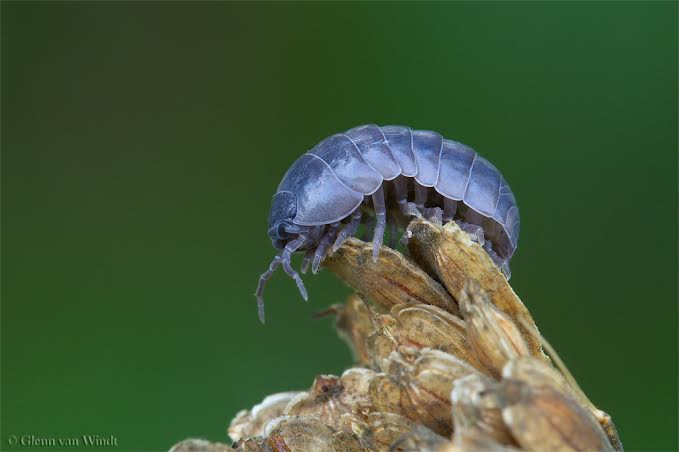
<point x="283" y="210"/>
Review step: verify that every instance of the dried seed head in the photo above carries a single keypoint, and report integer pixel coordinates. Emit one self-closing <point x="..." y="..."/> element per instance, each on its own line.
<point x="482" y="362"/>
<point x="200" y="445"/>
<point x="419" y="439"/>
<point x="354" y="323"/>
<point x="540" y="375"/>
<point x="449" y="254"/>
<point x="424" y="326"/>
<point x="542" y="413"/>
<point x="296" y="433"/>
<point x="393" y="279"/>
<point x="381" y="431"/>
<point x="477" y="410"/>
<point x="251" y="422"/>
<point x="417" y="385"/>
<point x="493" y="335"/>
<point x="475" y="442"/>
<point x="330" y="397"/>
<point x="381" y="344"/>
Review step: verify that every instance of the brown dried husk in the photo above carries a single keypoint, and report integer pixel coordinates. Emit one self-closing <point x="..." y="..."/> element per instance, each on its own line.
<point x="447" y="358"/>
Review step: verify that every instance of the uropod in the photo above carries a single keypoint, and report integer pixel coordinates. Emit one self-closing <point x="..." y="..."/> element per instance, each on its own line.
<point x="321" y="200"/>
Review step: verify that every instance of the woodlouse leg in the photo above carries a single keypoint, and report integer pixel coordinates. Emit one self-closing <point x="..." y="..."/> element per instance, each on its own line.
<point x="307" y="260"/>
<point x="421" y="193"/>
<point x="435" y="214"/>
<point x="381" y="215"/>
<point x="294" y="275"/>
<point x="401" y="192"/>
<point x="262" y="283"/>
<point x="502" y="263"/>
<point x="283" y="258"/>
<point x="472" y="226"/>
<point x="314" y="236"/>
<point x="393" y="228"/>
<point x="369" y="227"/>
<point x="449" y="209"/>
<point x="349" y="230"/>
<point x="475" y="232"/>
<point x="323" y="245"/>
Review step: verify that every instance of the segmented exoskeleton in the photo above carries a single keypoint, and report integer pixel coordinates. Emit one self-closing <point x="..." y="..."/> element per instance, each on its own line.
<point x="320" y="201"/>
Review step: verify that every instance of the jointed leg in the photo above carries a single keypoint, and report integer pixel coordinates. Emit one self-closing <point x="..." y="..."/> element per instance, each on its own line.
<point x="262" y="283"/>
<point x="471" y="225"/>
<point x="401" y="191"/>
<point x="435" y="214"/>
<point x="369" y="228"/>
<point x="502" y="263"/>
<point x="421" y="193"/>
<point x="307" y="260"/>
<point x="283" y="258"/>
<point x="393" y="228"/>
<point x="474" y="230"/>
<point x="323" y="245"/>
<point x="449" y="209"/>
<point x="381" y="216"/>
<point x="294" y="275"/>
<point x="349" y="230"/>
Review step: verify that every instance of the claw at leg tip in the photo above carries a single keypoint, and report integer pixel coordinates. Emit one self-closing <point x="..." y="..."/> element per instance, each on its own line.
<point x="302" y="291"/>
<point x="260" y="309"/>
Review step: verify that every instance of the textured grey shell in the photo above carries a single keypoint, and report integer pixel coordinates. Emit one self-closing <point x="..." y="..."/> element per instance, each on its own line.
<point x="331" y="180"/>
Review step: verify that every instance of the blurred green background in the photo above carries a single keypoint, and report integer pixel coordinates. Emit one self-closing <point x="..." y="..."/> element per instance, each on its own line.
<point x="141" y="144"/>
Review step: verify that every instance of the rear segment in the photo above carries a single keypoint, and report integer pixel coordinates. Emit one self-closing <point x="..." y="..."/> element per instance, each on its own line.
<point x="458" y="173"/>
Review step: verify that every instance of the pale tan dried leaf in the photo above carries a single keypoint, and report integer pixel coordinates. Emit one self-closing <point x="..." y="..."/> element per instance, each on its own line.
<point x="251" y="422"/>
<point x="392" y="280"/>
<point x="454" y="258"/>
<point x="546" y="419"/>
<point x="200" y="445"/>
<point x="330" y="397"/>
<point x="492" y="333"/>
<point x="477" y="410"/>
<point x="299" y="433"/>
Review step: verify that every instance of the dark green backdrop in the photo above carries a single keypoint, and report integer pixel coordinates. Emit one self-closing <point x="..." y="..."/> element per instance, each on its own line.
<point x="142" y="143"/>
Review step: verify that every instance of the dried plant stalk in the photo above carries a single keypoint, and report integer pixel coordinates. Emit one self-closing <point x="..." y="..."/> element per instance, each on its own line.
<point x="450" y="366"/>
<point x="393" y="280"/>
<point x="450" y="254"/>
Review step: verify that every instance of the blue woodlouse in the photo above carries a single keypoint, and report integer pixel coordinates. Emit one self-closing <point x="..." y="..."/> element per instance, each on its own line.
<point x="327" y="187"/>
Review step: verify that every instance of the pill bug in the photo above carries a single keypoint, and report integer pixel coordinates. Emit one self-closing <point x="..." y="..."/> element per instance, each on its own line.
<point x="321" y="199"/>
